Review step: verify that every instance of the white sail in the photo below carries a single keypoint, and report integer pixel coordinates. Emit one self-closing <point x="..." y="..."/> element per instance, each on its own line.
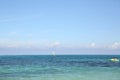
<point x="53" y="53"/>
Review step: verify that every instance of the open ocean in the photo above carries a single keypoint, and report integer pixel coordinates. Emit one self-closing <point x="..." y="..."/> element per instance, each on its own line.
<point x="59" y="67"/>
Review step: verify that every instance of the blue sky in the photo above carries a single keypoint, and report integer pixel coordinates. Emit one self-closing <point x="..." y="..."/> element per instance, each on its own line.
<point x="63" y="26"/>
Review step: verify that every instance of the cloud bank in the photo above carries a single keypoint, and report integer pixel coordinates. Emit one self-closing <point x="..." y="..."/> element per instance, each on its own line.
<point x="7" y="47"/>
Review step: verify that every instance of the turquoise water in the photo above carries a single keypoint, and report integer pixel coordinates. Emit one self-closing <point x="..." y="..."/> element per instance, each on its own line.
<point x="60" y="67"/>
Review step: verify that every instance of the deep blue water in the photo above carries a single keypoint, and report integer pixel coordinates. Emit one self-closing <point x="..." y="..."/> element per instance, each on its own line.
<point x="60" y="60"/>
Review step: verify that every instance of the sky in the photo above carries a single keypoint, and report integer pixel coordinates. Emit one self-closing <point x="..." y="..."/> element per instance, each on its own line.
<point x="63" y="26"/>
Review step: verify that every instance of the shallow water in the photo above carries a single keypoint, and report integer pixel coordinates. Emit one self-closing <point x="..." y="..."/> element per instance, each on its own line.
<point x="61" y="67"/>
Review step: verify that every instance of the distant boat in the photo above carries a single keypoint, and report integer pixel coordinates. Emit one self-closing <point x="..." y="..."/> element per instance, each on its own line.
<point x="53" y="53"/>
<point x="114" y="60"/>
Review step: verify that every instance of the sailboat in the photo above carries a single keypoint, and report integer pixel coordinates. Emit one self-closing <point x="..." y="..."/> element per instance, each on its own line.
<point x="53" y="53"/>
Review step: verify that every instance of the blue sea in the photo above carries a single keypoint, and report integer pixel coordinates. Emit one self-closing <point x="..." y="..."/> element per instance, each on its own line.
<point x="59" y="67"/>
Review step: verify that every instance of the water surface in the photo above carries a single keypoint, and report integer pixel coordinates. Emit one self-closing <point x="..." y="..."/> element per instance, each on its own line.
<point x="60" y="67"/>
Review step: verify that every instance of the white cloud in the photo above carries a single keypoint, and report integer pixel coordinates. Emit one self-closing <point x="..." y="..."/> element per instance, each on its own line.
<point x="115" y="45"/>
<point x="93" y="45"/>
<point x="15" y="44"/>
<point x="27" y="44"/>
<point x="54" y="44"/>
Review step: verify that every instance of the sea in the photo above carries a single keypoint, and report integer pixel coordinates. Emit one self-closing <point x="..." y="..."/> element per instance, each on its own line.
<point x="59" y="67"/>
